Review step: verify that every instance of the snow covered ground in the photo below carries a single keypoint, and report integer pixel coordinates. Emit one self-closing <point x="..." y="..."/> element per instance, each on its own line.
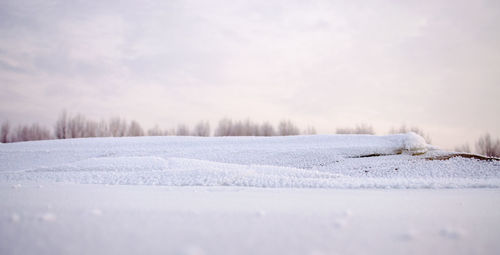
<point x="103" y="219"/>
<point x="335" y="161"/>
<point x="338" y="194"/>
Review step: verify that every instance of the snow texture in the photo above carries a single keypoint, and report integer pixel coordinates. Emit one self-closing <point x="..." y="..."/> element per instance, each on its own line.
<point x="120" y="219"/>
<point x="321" y="161"/>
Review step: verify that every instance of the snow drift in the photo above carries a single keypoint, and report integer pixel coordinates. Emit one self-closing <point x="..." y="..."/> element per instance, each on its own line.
<point x="326" y="161"/>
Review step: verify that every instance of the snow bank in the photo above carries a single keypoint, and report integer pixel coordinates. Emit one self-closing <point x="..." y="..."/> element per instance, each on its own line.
<point x="326" y="161"/>
<point x="410" y="143"/>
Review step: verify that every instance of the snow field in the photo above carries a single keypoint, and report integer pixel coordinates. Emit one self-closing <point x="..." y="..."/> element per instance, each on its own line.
<point x="336" y="161"/>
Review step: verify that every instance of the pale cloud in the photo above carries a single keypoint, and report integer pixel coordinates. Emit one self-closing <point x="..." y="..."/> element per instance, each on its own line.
<point x="324" y="63"/>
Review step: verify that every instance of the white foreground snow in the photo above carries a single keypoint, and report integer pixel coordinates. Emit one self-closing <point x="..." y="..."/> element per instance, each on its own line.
<point x="164" y="195"/>
<point x="100" y="219"/>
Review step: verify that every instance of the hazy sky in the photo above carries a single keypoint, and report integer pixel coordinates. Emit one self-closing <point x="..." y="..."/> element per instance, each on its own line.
<point x="329" y="64"/>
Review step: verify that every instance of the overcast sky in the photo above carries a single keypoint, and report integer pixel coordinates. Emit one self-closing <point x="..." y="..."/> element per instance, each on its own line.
<point x="329" y="64"/>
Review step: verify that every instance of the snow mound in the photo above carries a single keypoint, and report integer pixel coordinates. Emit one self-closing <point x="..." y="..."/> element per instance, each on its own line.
<point x="411" y="143"/>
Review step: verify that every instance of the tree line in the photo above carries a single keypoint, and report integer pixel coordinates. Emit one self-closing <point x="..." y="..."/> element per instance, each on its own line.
<point x="78" y="126"/>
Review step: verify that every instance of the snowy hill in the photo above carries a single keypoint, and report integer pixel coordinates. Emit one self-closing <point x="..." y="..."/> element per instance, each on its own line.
<point x="326" y="161"/>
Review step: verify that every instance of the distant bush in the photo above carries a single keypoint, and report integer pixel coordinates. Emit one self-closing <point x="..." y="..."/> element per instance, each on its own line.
<point x="117" y="127"/>
<point x="486" y="146"/>
<point x="4" y="132"/>
<point x="156" y="131"/>
<point x="309" y="131"/>
<point x="23" y="133"/>
<point x="359" y="129"/>
<point x="224" y="128"/>
<point x="266" y="129"/>
<point x="201" y="129"/>
<point x="61" y="127"/>
<point x="228" y="127"/>
<point x="182" y="130"/>
<point x="135" y="129"/>
<point x="78" y="126"/>
<point x="29" y="133"/>
<point x="287" y="127"/>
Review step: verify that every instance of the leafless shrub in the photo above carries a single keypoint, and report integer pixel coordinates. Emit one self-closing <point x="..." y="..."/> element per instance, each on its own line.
<point x="287" y="127"/>
<point x="202" y="129"/>
<point x="486" y="146"/>
<point x="182" y="130"/>
<point x="4" y="133"/>
<point x="463" y="148"/>
<point x="417" y="130"/>
<point x="359" y="129"/>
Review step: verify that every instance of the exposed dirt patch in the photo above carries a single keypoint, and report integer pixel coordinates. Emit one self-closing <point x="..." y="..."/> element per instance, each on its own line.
<point x="463" y="155"/>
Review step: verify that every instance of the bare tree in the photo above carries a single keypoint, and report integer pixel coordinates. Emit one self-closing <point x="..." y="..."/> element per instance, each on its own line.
<point x="182" y="130"/>
<point x="286" y="127"/>
<point x="117" y="127"/>
<point x="135" y="129"/>
<point x="359" y="129"/>
<point x="170" y="132"/>
<point x="30" y="133"/>
<point x="310" y="130"/>
<point x="20" y="134"/>
<point x="486" y="146"/>
<point x="4" y="133"/>
<point x="155" y="131"/>
<point x="225" y="128"/>
<point x="38" y="132"/>
<point x="266" y="129"/>
<point x="202" y="129"/>
<point x="228" y="127"/>
<point x="251" y="128"/>
<point x="255" y="129"/>
<point x="91" y="129"/>
<point x="61" y="127"/>
<point x="103" y="129"/>
<point x="76" y="126"/>
<point x="238" y="129"/>
<point x="245" y="128"/>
